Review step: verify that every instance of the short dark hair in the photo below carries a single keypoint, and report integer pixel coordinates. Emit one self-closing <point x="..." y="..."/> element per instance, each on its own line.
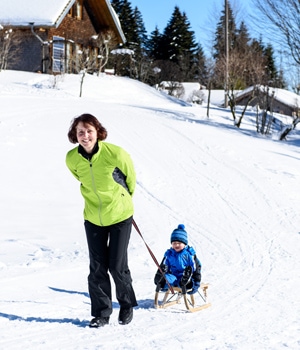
<point x="86" y="119"/>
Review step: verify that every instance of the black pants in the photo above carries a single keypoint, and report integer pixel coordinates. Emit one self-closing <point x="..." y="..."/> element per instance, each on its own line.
<point x="108" y="252"/>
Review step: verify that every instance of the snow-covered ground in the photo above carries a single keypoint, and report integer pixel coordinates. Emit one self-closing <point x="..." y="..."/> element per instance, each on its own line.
<point x="236" y="192"/>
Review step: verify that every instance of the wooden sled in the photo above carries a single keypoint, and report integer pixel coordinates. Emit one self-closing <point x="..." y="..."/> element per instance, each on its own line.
<point x="194" y="302"/>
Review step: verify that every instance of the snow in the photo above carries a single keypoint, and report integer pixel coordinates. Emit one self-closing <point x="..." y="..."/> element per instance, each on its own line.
<point x="44" y="12"/>
<point x="236" y="192"/>
<point x="216" y="96"/>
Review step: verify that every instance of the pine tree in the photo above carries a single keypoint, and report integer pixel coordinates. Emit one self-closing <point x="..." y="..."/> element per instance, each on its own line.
<point x="200" y="68"/>
<point x="154" y="45"/>
<point x="117" y="5"/>
<point x="178" y="37"/>
<point x="136" y="39"/>
<point x="141" y="30"/>
<point x="271" y="71"/>
<point x="141" y="54"/>
<point x="129" y="25"/>
<point x="177" y="44"/>
<point x="174" y="52"/>
<point x="242" y="39"/>
<point x="219" y="46"/>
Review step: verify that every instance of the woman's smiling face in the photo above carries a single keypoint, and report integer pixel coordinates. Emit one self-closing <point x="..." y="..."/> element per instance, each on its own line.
<point x="86" y="136"/>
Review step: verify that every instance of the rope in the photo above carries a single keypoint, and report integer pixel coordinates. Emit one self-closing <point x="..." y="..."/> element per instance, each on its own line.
<point x="153" y="256"/>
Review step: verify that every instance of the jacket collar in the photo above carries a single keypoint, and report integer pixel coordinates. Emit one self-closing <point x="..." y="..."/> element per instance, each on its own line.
<point x="86" y="155"/>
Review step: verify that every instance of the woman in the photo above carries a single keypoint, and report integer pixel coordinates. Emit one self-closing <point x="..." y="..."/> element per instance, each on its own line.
<point x="108" y="179"/>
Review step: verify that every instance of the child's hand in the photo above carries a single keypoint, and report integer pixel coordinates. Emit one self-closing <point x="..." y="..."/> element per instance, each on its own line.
<point x="164" y="268"/>
<point x="187" y="273"/>
<point x="159" y="278"/>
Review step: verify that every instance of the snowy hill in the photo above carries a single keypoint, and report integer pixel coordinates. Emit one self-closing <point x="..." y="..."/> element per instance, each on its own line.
<point x="236" y="192"/>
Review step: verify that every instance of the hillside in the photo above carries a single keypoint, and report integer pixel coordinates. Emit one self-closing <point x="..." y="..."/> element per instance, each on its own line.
<point x="236" y="192"/>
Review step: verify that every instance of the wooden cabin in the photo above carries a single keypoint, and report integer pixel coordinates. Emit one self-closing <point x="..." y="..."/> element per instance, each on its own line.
<point x="45" y="34"/>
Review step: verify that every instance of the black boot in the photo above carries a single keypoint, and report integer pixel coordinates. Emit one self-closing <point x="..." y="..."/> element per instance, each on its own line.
<point x="99" y="322"/>
<point x="125" y="315"/>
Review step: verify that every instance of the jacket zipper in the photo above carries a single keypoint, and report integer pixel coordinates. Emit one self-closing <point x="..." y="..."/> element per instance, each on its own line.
<point x="95" y="191"/>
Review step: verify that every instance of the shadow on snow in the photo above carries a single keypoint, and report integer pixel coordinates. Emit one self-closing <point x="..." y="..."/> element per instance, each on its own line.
<point x="76" y="322"/>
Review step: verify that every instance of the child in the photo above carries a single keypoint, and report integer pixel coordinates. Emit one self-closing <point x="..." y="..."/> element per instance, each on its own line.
<point x="180" y="264"/>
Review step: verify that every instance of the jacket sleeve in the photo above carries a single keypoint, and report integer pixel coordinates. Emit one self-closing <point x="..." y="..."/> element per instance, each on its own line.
<point x="127" y="168"/>
<point x="196" y="277"/>
<point x="70" y="164"/>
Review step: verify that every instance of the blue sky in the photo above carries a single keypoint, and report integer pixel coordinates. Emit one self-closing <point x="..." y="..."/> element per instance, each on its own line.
<point x="202" y="14"/>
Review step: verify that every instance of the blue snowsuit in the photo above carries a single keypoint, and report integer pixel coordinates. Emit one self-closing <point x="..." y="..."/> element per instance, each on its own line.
<point x="174" y="265"/>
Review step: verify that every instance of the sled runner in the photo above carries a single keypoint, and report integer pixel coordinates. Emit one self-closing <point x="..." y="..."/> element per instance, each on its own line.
<point x="193" y="302"/>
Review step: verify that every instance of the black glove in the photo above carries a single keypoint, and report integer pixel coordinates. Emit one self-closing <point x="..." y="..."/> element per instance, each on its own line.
<point x="164" y="268"/>
<point x="159" y="278"/>
<point x="187" y="273"/>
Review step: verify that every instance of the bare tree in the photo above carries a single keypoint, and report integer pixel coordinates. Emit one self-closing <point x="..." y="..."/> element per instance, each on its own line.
<point x="210" y="65"/>
<point x="264" y="118"/>
<point x="105" y="41"/>
<point x="197" y="96"/>
<point x="144" y="68"/>
<point x="176" y="89"/>
<point x="83" y="61"/>
<point x="172" y="88"/>
<point x="9" y="48"/>
<point x="244" y="69"/>
<point x="289" y="128"/>
<point x="283" y="16"/>
<point x="296" y="120"/>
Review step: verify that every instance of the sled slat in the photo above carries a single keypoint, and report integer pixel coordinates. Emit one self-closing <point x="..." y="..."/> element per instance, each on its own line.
<point x="189" y="300"/>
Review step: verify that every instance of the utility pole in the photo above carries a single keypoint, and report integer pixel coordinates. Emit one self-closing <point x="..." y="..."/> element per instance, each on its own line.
<point x="226" y="55"/>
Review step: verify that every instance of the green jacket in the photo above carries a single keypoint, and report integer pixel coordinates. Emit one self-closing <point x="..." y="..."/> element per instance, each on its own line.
<point x="103" y="181"/>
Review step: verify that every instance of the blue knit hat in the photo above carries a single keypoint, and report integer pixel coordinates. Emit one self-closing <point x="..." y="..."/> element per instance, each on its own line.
<point x="179" y="234"/>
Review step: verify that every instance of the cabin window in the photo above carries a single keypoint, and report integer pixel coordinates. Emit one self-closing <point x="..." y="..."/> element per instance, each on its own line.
<point x="70" y="14"/>
<point x="69" y="53"/>
<point x="58" y="58"/>
<point x="76" y="11"/>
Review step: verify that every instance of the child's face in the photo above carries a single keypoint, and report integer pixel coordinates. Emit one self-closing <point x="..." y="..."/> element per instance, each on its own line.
<point x="177" y="246"/>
